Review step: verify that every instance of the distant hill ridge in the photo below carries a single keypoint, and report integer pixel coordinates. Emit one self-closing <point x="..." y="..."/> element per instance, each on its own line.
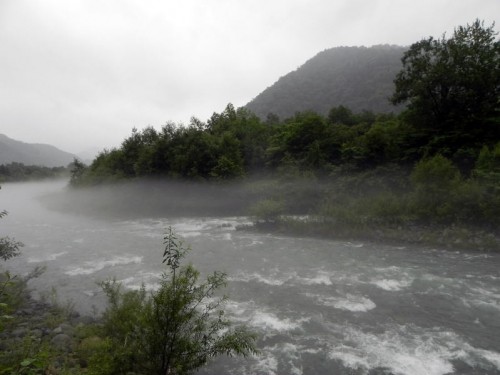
<point x="356" y="77"/>
<point x="32" y="153"/>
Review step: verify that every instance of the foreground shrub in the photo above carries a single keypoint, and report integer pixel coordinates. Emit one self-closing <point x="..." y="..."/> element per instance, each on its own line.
<point x="174" y="330"/>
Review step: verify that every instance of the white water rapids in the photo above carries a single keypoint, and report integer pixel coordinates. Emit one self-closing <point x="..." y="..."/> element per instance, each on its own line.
<point x="319" y="306"/>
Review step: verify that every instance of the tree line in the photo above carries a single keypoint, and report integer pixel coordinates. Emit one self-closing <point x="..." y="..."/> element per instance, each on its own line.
<point x="13" y="172"/>
<point x="450" y="87"/>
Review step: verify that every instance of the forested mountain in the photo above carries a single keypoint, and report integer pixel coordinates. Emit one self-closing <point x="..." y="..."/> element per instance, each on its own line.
<point x="12" y="151"/>
<point x="360" y="78"/>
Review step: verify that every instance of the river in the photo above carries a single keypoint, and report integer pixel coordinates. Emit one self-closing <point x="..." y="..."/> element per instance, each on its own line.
<point x="319" y="306"/>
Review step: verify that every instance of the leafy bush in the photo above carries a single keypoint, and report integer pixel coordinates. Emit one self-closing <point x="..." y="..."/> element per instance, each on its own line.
<point x="173" y="330"/>
<point x="267" y="210"/>
<point x="488" y="167"/>
<point x="9" y="248"/>
<point x="435" y="180"/>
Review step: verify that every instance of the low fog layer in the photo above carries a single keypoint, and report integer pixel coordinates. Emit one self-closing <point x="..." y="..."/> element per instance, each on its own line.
<point x="154" y="198"/>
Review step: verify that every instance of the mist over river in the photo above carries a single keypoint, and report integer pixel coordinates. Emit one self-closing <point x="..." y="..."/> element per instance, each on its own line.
<point x="319" y="306"/>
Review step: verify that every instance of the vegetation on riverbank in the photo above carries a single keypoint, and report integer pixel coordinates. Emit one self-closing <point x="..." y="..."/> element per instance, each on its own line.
<point x="431" y="205"/>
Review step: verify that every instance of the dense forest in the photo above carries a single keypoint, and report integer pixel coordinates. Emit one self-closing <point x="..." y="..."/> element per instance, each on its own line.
<point x="435" y="164"/>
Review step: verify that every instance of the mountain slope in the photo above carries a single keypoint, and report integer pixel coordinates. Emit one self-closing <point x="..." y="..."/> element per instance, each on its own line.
<point x="356" y="77"/>
<point x="32" y="153"/>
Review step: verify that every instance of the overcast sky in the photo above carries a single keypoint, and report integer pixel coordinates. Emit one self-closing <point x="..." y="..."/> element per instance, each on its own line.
<point x="80" y="74"/>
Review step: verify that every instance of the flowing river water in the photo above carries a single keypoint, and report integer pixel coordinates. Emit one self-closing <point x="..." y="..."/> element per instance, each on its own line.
<point x="319" y="306"/>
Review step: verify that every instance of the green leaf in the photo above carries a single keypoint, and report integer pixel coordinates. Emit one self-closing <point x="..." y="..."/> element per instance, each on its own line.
<point x="28" y="362"/>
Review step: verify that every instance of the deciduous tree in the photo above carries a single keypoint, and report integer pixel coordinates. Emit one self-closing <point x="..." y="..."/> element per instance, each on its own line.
<point x="452" y="87"/>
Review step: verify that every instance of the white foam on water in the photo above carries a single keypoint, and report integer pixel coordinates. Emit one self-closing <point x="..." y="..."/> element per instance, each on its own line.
<point x="190" y="234"/>
<point x="490" y="277"/>
<point x="355" y="245"/>
<point x="282" y="358"/>
<point x="267" y="364"/>
<point x="488" y="294"/>
<point x="208" y="226"/>
<point x="321" y="278"/>
<point x="350" y="357"/>
<point x="349" y="302"/>
<point x="493" y="304"/>
<point x="148" y="280"/>
<point x="189" y="228"/>
<point x="255" y="242"/>
<point x="392" y="352"/>
<point x="392" y="278"/>
<point x="291" y="353"/>
<point x="392" y="285"/>
<point x="492" y="357"/>
<point x="227" y="223"/>
<point x="94" y="266"/>
<point x="390" y="269"/>
<point x="47" y="258"/>
<point x="270" y="321"/>
<point x="481" y="297"/>
<point x="269" y="280"/>
<point x="312" y="350"/>
<point x="409" y="350"/>
<point x="438" y="279"/>
<point x="247" y="312"/>
<point x="239" y="308"/>
<point x="477" y="256"/>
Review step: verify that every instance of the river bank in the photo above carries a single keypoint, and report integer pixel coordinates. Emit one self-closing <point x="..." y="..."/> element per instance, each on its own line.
<point x="42" y="337"/>
<point x="451" y="237"/>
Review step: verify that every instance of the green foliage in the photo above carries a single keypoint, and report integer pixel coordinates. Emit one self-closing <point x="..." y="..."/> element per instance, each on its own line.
<point x="5" y="299"/>
<point x="267" y="211"/>
<point x="173" y="330"/>
<point x="452" y="88"/>
<point x="435" y="176"/>
<point x="370" y="198"/>
<point x="225" y="147"/>
<point x="28" y="357"/>
<point x="309" y="142"/>
<point x="381" y="144"/>
<point x="487" y="167"/>
<point x="77" y="171"/>
<point x="341" y="115"/>
<point x="435" y="179"/>
<point x="9" y="248"/>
